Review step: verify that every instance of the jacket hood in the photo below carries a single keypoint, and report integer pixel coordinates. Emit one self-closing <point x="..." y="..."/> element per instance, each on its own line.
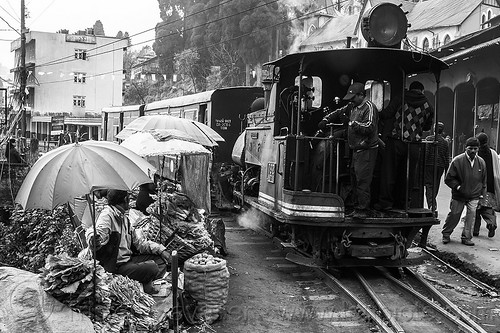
<point x="414" y="98"/>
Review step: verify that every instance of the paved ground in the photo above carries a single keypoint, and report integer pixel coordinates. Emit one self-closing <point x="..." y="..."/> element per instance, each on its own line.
<point x="486" y="252"/>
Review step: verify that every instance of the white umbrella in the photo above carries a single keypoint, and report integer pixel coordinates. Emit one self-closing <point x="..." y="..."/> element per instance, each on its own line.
<point x="200" y="132"/>
<point x="158" y="143"/>
<point x="77" y="169"/>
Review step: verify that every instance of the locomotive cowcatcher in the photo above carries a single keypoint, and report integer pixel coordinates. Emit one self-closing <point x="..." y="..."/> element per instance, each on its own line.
<point x="303" y="180"/>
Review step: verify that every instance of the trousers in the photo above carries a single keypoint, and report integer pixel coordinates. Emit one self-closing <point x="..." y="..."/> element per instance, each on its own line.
<point x="456" y="208"/>
<point x="363" y="162"/>
<point x="143" y="268"/>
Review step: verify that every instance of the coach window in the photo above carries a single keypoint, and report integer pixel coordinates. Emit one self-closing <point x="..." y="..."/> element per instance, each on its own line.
<point x="190" y="114"/>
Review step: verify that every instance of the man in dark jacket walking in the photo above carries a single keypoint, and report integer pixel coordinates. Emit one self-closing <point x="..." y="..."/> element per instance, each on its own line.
<point x="409" y="120"/>
<point x="466" y="177"/>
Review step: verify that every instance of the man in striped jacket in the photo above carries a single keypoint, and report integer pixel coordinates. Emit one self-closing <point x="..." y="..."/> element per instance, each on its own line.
<point x="362" y="136"/>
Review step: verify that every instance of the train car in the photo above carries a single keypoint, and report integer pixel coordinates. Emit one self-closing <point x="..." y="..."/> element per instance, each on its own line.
<point x="223" y="109"/>
<point x="115" y="118"/>
<point x="278" y="151"/>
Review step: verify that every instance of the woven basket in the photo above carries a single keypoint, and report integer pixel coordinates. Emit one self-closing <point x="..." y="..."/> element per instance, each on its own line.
<point x="183" y="248"/>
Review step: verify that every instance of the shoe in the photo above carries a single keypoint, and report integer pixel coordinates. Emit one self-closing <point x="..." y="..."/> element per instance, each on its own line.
<point x="150" y="289"/>
<point x="446" y="240"/>
<point x="475" y="234"/>
<point x="361" y="214"/>
<point x="491" y="230"/>
<point x="467" y="242"/>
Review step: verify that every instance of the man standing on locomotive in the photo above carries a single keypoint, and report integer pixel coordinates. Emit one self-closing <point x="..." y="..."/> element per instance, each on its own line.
<point x="466" y="177"/>
<point x="362" y="137"/>
<point x="409" y="121"/>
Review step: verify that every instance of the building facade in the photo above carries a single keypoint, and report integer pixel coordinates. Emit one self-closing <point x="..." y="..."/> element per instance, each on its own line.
<point x="70" y="78"/>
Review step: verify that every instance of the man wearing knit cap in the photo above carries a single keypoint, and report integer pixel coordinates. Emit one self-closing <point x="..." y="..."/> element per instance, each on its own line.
<point x="491" y="200"/>
<point x="123" y="251"/>
<point x="466" y="177"/>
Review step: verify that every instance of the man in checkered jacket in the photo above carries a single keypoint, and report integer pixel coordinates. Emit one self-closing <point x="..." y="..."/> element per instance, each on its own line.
<point x="409" y="119"/>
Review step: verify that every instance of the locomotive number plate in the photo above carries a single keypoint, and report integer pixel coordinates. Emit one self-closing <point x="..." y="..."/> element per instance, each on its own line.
<point x="271" y="172"/>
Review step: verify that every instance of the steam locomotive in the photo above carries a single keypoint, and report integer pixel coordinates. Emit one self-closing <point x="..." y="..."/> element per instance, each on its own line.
<point x="279" y="153"/>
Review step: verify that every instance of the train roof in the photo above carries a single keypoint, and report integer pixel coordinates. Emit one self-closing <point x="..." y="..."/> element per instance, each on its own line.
<point x="112" y="109"/>
<point x="361" y="60"/>
<point x="204" y="96"/>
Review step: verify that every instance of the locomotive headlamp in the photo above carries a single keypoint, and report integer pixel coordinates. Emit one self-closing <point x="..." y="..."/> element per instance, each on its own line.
<point x="385" y="25"/>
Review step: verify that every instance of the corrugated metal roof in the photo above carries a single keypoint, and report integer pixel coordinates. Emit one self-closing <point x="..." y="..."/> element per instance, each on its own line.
<point x="407" y="6"/>
<point x="440" y="13"/>
<point x="467" y="52"/>
<point x="336" y="29"/>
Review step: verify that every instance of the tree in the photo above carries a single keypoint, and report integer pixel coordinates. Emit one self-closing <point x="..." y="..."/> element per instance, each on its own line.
<point x="169" y="36"/>
<point x="229" y="36"/>
<point x="186" y="65"/>
<point x="98" y="28"/>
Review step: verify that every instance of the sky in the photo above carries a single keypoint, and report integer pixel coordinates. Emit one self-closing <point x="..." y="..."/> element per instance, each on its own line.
<point x="130" y="16"/>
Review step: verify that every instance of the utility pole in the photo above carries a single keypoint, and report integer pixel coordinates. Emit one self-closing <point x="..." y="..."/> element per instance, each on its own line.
<point x="22" y="73"/>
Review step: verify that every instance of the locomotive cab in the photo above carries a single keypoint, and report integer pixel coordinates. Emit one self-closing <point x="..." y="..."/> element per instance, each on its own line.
<point x="305" y="177"/>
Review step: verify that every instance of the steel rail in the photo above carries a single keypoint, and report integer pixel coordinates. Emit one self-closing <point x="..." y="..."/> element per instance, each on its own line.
<point x="480" y="285"/>
<point x="384" y="309"/>
<point x="332" y="282"/>
<point x="460" y="324"/>
<point x="449" y="305"/>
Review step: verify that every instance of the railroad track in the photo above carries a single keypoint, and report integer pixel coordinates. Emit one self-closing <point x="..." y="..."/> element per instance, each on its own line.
<point x="378" y="301"/>
<point x="396" y="305"/>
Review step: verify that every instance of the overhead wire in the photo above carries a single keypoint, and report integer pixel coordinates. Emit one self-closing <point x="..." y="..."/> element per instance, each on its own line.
<point x="207" y="46"/>
<point x="5" y="10"/>
<point x="57" y="61"/>
<point x="70" y="58"/>
<point x="43" y="11"/>
<point x="1" y="18"/>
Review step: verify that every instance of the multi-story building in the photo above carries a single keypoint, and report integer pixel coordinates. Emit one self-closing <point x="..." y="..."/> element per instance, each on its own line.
<point x="71" y="77"/>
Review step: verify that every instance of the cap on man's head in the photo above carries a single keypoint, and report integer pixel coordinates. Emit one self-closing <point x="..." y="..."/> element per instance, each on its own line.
<point x="440" y="125"/>
<point x="483" y="138"/>
<point x="354" y="89"/>
<point x="116" y="197"/>
<point x="472" y="142"/>
<point x="416" y="85"/>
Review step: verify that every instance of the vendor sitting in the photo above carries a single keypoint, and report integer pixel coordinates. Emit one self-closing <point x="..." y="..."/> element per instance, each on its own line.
<point x="117" y="243"/>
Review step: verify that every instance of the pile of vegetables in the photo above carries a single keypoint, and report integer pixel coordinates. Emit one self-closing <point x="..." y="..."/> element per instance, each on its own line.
<point x="179" y="217"/>
<point x="120" y="304"/>
<point x="30" y="236"/>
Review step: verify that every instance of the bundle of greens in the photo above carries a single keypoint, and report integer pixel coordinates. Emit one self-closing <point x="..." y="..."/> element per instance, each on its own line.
<point x="70" y="280"/>
<point x="120" y="304"/>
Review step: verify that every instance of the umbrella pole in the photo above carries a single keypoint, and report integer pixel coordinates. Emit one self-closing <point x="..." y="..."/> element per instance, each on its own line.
<point x="94" y="275"/>
<point x="162" y="166"/>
